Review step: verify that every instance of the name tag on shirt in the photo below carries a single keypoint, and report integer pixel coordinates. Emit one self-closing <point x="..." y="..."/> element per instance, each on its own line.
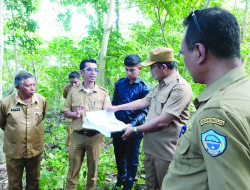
<point x="15" y="109"/>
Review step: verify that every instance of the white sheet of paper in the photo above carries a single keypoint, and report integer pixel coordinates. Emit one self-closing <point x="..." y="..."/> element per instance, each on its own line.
<point x="105" y="119"/>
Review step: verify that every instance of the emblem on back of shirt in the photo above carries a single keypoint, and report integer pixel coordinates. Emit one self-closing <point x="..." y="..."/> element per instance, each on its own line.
<point x="214" y="143"/>
<point x="15" y="109"/>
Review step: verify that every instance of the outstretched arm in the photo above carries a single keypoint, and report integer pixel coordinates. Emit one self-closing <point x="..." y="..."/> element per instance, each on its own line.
<point x="155" y="124"/>
<point x="135" y="105"/>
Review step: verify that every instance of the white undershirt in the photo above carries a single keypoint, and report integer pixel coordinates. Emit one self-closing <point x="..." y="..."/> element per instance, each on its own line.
<point x="87" y="90"/>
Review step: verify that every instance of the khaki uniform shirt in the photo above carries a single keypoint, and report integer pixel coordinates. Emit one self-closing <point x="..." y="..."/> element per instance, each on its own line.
<point x="66" y="90"/>
<point x="214" y="151"/>
<point x="22" y="125"/>
<point x="97" y="99"/>
<point x="172" y="96"/>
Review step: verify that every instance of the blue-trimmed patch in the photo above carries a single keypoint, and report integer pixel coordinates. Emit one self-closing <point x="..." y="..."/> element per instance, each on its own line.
<point x="183" y="130"/>
<point x="214" y="143"/>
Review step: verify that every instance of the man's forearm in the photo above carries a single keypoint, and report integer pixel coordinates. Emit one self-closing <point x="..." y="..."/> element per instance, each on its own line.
<point x="135" y="105"/>
<point x="156" y="124"/>
<point x="70" y="114"/>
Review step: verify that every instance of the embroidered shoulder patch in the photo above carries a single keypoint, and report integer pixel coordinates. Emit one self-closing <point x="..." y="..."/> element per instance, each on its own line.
<point x="212" y="120"/>
<point x="15" y="109"/>
<point x="214" y="143"/>
<point x="176" y="93"/>
<point x="108" y="99"/>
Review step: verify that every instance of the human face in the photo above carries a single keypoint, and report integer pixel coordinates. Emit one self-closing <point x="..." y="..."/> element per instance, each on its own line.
<point x="89" y="76"/>
<point x="27" y="89"/>
<point x="74" y="81"/>
<point x="156" y="71"/>
<point x="132" y="72"/>
<point x="189" y="59"/>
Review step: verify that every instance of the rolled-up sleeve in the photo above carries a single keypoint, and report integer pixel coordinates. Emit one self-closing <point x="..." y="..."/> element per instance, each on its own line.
<point x="68" y="103"/>
<point x="179" y="98"/>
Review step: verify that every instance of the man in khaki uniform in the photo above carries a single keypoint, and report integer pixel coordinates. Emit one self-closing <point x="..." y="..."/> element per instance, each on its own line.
<point x="83" y="98"/>
<point x="213" y="151"/>
<point x="74" y="79"/>
<point x="169" y="103"/>
<point x="21" y="119"/>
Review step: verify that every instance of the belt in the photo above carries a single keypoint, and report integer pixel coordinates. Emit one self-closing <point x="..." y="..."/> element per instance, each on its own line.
<point x="88" y="133"/>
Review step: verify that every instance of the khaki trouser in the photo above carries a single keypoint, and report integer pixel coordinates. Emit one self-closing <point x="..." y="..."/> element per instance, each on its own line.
<point x="15" y="169"/>
<point x="155" y="170"/>
<point x="81" y="144"/>
<point x="69" y="132"/>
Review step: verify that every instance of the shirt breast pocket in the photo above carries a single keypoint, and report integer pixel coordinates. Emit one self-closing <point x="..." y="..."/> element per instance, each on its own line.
<point x="38" y="116"/>
<point x="181" y="155"/>
<point x="97" y="105"/>
<point x="185" y="158"/>
<point x="162" y="98"/>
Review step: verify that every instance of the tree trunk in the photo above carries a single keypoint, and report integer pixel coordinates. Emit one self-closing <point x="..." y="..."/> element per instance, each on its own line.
<point x="207" y="3"/>
<point x="34" y="71"/>
<point x="117" y="15"/>
<point x="244" y="22"/>
<point x="1" y="48"/>
<point x="15" y="52"/>
<point x="9" y="92"/>
<point x="55" y="102"/>
<point x="105" y="43"/>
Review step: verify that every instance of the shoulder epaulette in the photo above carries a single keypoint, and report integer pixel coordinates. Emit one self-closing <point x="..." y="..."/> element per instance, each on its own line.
<point x="102" y="88"/>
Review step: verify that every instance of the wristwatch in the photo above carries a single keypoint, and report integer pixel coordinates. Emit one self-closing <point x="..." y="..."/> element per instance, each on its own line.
<point x="135" y="130"/>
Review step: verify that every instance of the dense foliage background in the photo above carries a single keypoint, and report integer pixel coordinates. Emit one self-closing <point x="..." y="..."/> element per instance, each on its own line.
<point x="53" y="54"/>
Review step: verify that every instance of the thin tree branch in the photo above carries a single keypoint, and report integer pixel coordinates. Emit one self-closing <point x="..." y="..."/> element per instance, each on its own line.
<point x="131" y="7"/>
<point x="179" y="8"/>
<point x="7" y="64"/>
<point x="245" y="60"/>
<point x="194" y="5"/>
<point x="207" y="3"/>
<point x="125" y="3"/>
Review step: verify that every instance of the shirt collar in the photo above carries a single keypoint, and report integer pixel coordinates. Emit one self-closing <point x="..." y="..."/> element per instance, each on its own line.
<point x="221" y="84"/>
<point x="19" y="100"/>
<point x="138" y="80"/>
<point x="168" y="80"/>
<point x="81" y="87"/>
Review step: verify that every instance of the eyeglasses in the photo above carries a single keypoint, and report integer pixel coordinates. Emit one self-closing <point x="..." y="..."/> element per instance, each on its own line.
<point x="91" y="70"/>
<point x="198" y="26"/>
<point x="153" y="66"/>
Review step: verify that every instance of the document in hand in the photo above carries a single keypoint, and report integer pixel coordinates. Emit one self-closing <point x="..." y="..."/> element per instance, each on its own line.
<point x="104" y="122"/>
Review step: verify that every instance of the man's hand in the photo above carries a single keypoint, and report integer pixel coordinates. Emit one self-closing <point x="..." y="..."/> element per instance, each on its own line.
<point x="128" y="132"/>
<point x="79" y="111"/>
<point x="129" y="125"/>
<point x="112" y="109"/>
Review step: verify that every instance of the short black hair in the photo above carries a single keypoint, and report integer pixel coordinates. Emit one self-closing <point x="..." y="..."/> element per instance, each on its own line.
<point x="74" y="74"/>
<point x="20" y="77"/>
<point x="83" y="63"/>
<point x="132" y="60"/>
<point x="170" y="64"/>
<point x="221" y="32"/>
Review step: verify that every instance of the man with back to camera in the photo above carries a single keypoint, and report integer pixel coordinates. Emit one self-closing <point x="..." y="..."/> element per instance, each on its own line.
<point x="83" y="98"/>
<point x="21" y="119"/>
<point x="74" y="79"/>
<point x="213" y="151"/>
<point x="128" y="89"/>
<point x="169" y="103"/>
